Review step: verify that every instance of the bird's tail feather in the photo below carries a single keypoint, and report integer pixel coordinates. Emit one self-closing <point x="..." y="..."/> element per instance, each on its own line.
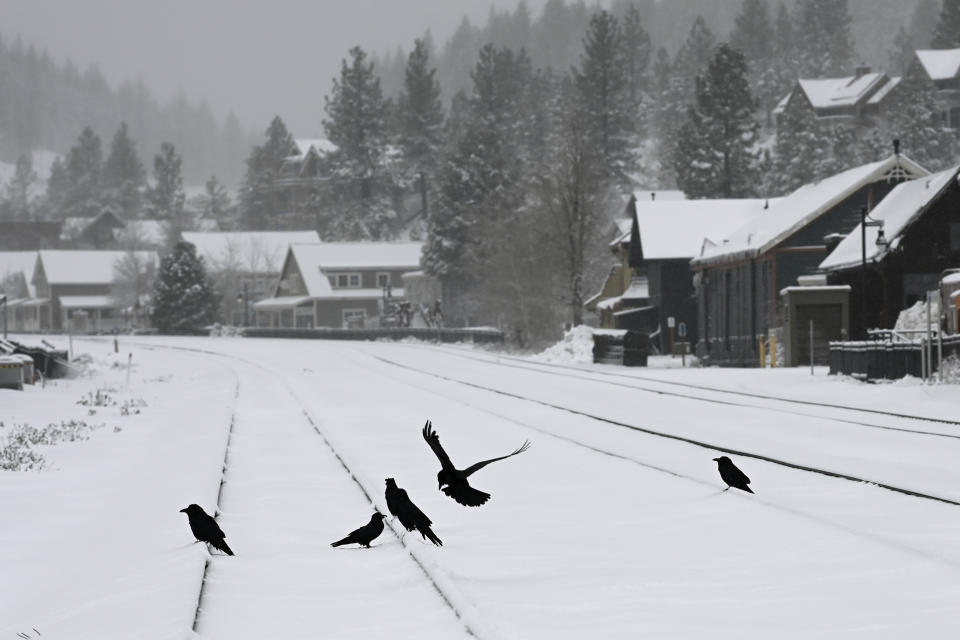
<point x="747" y="489"/>
<point x="221" y="545"/>
<point x="428" y="534"/>
<point x="340" y="542"/>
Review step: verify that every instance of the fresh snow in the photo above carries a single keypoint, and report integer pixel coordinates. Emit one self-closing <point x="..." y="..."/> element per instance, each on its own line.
<point x="598" y="531"/>
<point x="940" y="64"/>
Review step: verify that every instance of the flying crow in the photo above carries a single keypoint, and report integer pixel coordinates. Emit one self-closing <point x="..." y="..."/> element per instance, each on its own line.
<point x="453" y="481"/>
<point x="206" y="529"/>
<point x="410" y="516"/>
<point x="732" y="475"/>
<point x="365" y="534"/>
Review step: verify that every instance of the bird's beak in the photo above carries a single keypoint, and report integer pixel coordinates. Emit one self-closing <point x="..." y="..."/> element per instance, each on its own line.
<point x="183" y="510"/>
<point x="716" y="459"/>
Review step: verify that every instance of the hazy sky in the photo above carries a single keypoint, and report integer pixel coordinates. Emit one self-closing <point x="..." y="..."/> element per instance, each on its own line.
<point x="255" y="57"/>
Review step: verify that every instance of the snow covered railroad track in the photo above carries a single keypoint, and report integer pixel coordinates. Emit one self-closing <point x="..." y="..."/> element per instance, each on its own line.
<point x="593" y="375"/>
<point x="216" y="620"/>
<point x="693" y="441"/>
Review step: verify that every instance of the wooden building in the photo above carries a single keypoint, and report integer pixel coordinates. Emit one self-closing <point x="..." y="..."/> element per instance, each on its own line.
<point x="75" y="290"/>
<point x="16" y="274"/>
<point x="738" y="279"/>
<point x="669" y="234"/>
<point x="857" y="100"/>
<point x="919" y="239"/>
<point x="338" y="284"/>
<point x="942" y="67"/>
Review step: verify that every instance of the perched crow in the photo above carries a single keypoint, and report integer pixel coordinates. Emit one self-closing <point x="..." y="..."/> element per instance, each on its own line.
<point x="365" y="534"/>
<point x="206" y="529"/>
<point x="732" y="475"/>
<point x="453" y="481"/>
<point x="410" y="516"/>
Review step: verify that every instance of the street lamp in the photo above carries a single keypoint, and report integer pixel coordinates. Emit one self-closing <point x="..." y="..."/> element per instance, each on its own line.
<point x="867" y="221"/>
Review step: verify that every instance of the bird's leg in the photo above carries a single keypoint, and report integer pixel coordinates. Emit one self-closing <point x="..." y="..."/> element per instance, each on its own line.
<point x="727" y="489"/>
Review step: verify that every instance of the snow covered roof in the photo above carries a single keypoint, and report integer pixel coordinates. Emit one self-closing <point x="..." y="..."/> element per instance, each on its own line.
<point x="676" y="229"/>
<point x="281" y="302"/>
<point x="901" y="206"/>
<point x="248" y="251"/>
<point x="952" y="278"/>
<point x="940" y="64"/>
<point x="303" y="145"/>
<point x="332" y="256"/>
<point x="825" y="93"/>
<point x="86" y="267"/>
<point x="144" y="232"/>
<point x="883" y="91"/>
<point x="86" y="302"/>
<point x="14" y="262"/>
<point x="800" y="208"/>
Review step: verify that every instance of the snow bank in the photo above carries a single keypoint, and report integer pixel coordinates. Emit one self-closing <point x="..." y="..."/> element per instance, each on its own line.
<point x="576" y="346"/>
<point x="915" y="318"/>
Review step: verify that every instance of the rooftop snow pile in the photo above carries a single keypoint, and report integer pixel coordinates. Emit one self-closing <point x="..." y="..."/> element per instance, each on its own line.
<point x="915" y="318"/>
<point x="576" y="346"/>
<point x="901" y="207"/>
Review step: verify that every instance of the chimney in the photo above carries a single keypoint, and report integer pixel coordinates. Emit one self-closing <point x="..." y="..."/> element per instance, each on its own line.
<point x="896" y="146"/>
<point x="653" y="195"/>
<point x="831" y="240"/>
<point x="861" y="71"/>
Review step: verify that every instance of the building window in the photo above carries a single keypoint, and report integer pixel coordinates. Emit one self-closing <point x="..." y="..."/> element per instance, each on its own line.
<point x="383" y="280"/>
<point x="353" y="318"/>
<point x="344" y="280"/>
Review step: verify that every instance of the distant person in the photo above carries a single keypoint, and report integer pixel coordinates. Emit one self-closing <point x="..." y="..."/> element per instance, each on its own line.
<point x="437" y="313"/>
<point x="732" y="475"/>
<point x="365" y="534"/>
<point x="206" y="529"/>
<point x="453" y="481"/>
<point x="408" y="513"/>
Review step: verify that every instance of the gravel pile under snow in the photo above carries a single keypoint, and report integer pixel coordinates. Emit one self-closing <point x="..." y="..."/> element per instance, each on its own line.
<point x="576" y="346"/>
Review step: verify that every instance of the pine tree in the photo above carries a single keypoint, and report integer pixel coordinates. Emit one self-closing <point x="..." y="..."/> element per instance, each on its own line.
<point x="695" y="53"/>
<point x="824" y="42"/>
<point x="216" y="200"/>
<point x="361" y="182"/>
<point x="259" y="197"/>
<point x="19" y="197"/>
<point x="84" y="197"/>
<point x="716" y="155"/>
<point x="166" y="197"/>
<point x="924" y="22"/>
<point x="669" y="114"/>
<point x="635" y="52"/>
<point x="914" y="116"/>
<point x="902" y="51"/>
<point x="751" y="33"/>
<point x="184" y="300"/>
<point x="124" y="175"/>
<point x="420" y="115"/>
<point x="603" y="86"/>
<point x="801" y="152"/>
<point x="946" y="35"/>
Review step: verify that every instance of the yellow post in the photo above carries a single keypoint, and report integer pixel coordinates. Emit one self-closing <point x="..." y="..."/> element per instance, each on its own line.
<point x="773" y="351"/>
<point x="763" y="359"/>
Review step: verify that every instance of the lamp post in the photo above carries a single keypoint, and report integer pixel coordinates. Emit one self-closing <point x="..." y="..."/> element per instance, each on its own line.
<point x="245" y="299"/>
<point x="3" y="301"/>
<point x="867" y="221"/>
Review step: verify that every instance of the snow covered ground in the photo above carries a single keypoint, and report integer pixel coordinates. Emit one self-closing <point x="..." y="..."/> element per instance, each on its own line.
<point x="611" y="526"/>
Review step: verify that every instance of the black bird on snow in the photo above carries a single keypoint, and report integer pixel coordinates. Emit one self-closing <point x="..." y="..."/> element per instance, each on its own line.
<point x="400" y="505"/>
<point x="453" y="481"/>
<point x="365" y="534"/>
<point x="732" y="475"/>
<point x="206" y="529"/>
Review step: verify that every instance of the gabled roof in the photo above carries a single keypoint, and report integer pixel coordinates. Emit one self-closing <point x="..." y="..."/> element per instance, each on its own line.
<point x="902" y="206"/>
<point x="302" y="147"/>
<point x="803" y="206"/>
<point x="18" y="262"/>
<point x="940" y="64"/>
<point x="825" y="93"/>
<point x="676" y="229"/>
<point x="85" y="267"/>
<point x="247" y="251"/>
<point x="316" y="260"/>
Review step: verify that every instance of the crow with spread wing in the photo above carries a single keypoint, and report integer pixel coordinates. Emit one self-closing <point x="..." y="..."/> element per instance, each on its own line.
<point x="410" y="516"/>
<point x="453" y="481"/>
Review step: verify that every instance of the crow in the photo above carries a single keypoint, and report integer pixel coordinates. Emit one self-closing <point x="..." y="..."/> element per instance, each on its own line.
<point x="410" y="516"/>
<point x="206" y="529"/>
<point x="365" y="534"/>
<point x="453" y="481"/>
<point x="732" y="475"/>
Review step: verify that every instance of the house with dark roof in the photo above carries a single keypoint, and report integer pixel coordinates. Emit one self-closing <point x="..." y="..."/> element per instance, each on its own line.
<point x="942" y="67"/>
<point x="739" y="277"/>
<point x="912" y="238"/>
<point x="338" y="284"/>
